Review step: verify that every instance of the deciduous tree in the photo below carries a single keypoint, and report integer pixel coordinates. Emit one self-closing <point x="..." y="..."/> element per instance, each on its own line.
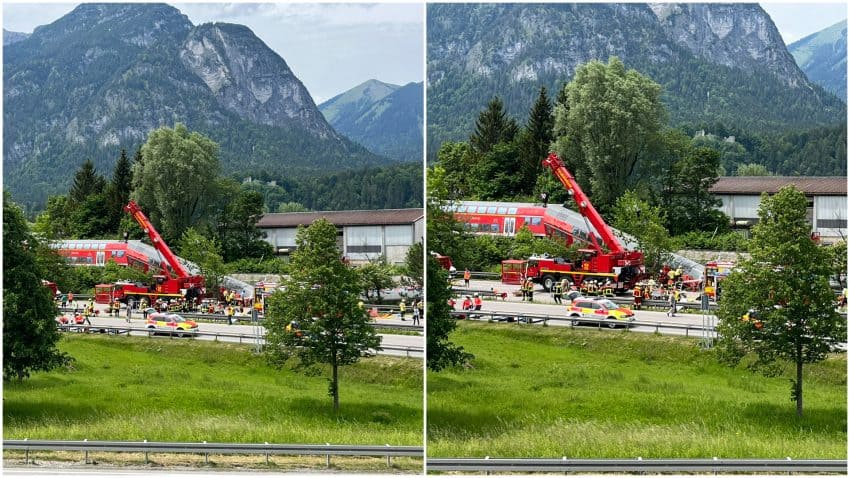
<point x="316" y="316"/>
<point x="614" y="117"/>
<point x="778" y="305"/>
<point x="29" y="326"/>
<point x="441" y="352"/>
<point x="174" y="183"/>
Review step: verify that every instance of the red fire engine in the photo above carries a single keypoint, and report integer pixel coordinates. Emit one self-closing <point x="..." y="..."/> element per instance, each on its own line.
<point x="175" y="281"/>
<point x="621" y="267"/>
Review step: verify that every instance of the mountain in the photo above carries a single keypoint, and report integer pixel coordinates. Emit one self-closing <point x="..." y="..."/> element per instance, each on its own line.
<point x="105" y="75"/>
<point x="13" y="37"/>
<point x="823" y="57"/>
<point x="385" y="118"/>
<point x="716" y="62"/>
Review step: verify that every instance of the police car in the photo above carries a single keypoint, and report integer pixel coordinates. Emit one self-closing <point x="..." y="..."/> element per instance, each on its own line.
<point x="601" y="309"/>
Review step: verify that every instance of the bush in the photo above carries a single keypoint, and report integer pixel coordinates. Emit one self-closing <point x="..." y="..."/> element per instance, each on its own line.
<point x="258" y="266"/>
<point x="729" y="241"/>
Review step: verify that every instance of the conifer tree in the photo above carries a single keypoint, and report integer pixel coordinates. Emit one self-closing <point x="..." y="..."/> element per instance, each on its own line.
<point x="492" y="127"/>
<point x="118" y="191"/>
<point x="86" y="183"/>
<point x="537" y="139"/>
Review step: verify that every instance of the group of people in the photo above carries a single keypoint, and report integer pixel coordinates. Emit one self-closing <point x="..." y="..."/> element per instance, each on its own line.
<point x="418" y="310"/>
<point x="527" y="289"/>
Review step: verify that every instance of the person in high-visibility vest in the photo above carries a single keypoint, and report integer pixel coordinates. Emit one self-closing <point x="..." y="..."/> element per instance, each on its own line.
<point x="477" y="302"/>
<point x="402" y="308"/>
<point x="557" y="292"/>
<point x="638" y="295"/>
<point x="466" y="276"/>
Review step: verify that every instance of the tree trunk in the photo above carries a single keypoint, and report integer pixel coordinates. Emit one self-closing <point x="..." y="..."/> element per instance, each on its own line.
<point x="799" y="383"/>
<point x="335" y="386"/>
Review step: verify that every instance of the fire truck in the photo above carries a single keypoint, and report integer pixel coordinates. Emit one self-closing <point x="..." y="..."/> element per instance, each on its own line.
<point x="174" y="282"/>
<point x="620" y="267"/>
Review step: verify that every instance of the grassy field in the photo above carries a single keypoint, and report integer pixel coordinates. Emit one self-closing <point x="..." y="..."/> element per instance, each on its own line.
<point x="122" y="388"/>
<point x="554" y="391"/>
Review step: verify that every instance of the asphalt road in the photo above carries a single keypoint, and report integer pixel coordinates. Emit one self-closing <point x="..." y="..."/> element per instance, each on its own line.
<point x="249" y="331"/>
<point x="544" y="304"/>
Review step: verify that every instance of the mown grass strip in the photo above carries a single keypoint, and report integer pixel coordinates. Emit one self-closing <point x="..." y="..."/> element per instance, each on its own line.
<point x="126" y="388"/>
<point x="554" y="391"/>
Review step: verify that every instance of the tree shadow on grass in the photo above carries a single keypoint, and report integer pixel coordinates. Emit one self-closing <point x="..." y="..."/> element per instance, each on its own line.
<point x="380" y="413"/>
<point x="783" y="418"/>
<point x="463" y="424"/>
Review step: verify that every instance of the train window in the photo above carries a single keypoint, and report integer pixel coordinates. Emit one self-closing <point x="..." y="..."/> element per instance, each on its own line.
<point x="482" y="209"/>
<point x="494" y="228"/>
<point x="87" y="246"/>
<point x="512" y="210"/>
<point x="526" y="220"/>
<point x="502" y="210"/>
<point x="461" y="209"/>
<point x="491" y="210"/>
<point x="473" y="227"/>
<point x="118" y="254"/>
<point x="101" y="247"/>
<point x="535" y="221"/>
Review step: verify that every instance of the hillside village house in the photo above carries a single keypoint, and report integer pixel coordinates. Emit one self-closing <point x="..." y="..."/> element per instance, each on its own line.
<point x="362" y="236"/>
<point x="827" y="210"/>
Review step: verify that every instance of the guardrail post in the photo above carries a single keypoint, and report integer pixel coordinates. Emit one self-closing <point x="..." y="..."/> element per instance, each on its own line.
<point x="146" y="453"/>
<point x="27" y="454"/>
<point x="789" y="459"/>
<point x="389" y="460"/>
<point x="206" y="456"/>
<point x="267" y="454"/>
<point x="486" y="472"/>
<point x="86" y="455"/>
<point x="713" y="469"/>
<point x="327" y="458"/>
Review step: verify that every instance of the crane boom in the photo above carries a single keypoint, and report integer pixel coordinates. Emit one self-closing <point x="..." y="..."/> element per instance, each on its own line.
<point x="585" y="207"/>
<point x="156" y="239"/>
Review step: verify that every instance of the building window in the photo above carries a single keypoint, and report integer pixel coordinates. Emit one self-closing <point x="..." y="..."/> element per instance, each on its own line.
<point x="832" y="224"/>
<point x="364" y="249"/>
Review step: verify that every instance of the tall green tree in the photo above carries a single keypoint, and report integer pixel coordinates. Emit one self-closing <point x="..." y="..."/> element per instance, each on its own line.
<point x="689" y="203"/>
<point x="175" y="182"/>
<point x="320" y="296"/>
<point x="206" y="253"/>
<point x="441" y="352"/>
<point x="91" y="218"/>
<point x="86" y="182"/>
<point x="238" y="233"/>
<point x="645" y="223"/>
<point x="29" y="326"/>
<point x="536" y="140"/>
<point x="778" y="305"/>
<point x="614" y="119"/>
<point x="413" y="266"/>
<point x="492" y="127"/>
<point x="751" y="170"/>
<point x="119" y="189"/>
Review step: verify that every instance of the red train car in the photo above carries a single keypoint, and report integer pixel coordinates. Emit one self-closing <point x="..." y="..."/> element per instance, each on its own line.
<point x="506" y="218"/>
<point x="90" y="252"/>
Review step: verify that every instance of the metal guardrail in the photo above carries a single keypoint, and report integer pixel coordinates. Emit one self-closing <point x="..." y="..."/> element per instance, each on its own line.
<point x="247" y="338"/>
<point x="206" y="449"/>
<point x="544" y="319"/>
<point x="637" y="465"/>
<point x="216" y="318"/>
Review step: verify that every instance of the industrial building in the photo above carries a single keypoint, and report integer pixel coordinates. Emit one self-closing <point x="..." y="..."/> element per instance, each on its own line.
<point x="363" y="236"/>
<point x="827" y="209"/>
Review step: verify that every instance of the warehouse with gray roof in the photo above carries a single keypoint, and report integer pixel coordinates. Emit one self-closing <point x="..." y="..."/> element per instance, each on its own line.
<point x="827" y="195"/>
<point x="362" y="236"/>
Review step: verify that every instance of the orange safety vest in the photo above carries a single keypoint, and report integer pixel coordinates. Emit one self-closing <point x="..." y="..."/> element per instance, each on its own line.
<point x="466" y="275"/>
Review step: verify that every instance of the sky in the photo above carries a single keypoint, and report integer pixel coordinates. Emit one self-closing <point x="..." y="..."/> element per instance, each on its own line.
<point x="334" y="47"/>
<point x="329" y="47"/>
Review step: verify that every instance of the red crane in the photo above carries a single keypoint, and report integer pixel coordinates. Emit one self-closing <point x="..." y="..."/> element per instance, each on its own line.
<point x="176" y="282"/>
<point x="156" y="240"/>
<point x="619" y="268"/>
<point x="585" y="207"/>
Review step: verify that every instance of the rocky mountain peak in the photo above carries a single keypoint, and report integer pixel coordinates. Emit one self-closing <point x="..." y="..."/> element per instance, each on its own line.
<point x="248" y="78"/>
<point x="739" y="36"/>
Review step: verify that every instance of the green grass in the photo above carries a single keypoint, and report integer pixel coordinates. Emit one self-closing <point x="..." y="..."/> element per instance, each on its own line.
<point x="123" y="388"/>
<point x="553" y="391"/>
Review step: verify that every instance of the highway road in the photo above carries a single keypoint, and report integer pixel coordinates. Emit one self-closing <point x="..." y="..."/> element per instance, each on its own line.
<point x="249" y="331"/>
<point x="544" y="304"/>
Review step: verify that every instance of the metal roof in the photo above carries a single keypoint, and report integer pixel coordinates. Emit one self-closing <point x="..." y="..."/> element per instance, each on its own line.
<point x="342" y="218"/>
<point x="811" y="185"/>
